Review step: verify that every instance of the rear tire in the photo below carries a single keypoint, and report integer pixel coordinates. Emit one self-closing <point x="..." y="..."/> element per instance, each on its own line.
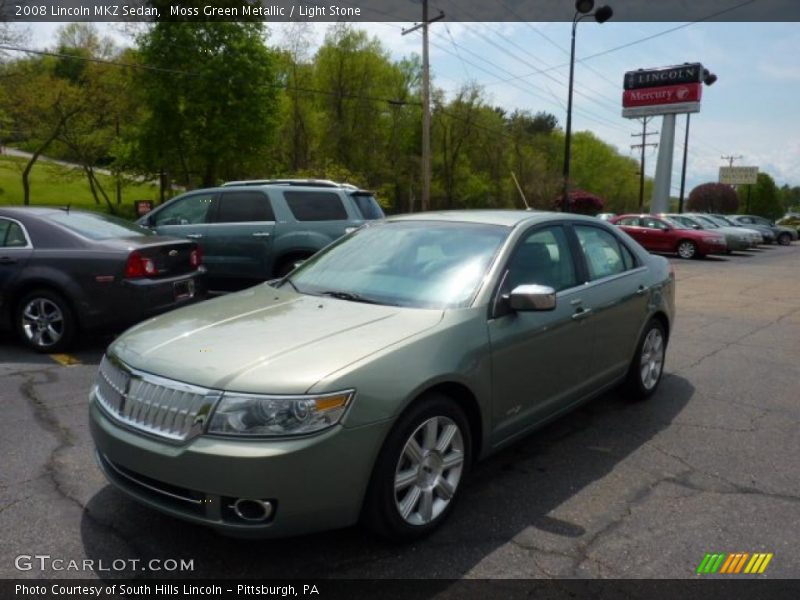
<point x="647" y="366"/>
<point x="45" y="321"/>
<point x="420" y="471"/>
<point x="687" y="249"/>
<point x="785" y="239"/>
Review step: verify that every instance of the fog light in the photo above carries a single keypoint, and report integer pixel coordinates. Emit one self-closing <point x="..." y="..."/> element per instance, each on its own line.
<point x="252" y="510"/>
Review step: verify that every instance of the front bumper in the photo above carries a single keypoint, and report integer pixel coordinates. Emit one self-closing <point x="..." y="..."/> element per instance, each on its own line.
<point x="737" y="243"/>
<point x="713" y="246"/>
<point x="315" y="482"/>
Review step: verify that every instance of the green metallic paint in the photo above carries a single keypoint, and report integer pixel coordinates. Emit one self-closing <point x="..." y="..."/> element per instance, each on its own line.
<point x="523" y="369"/>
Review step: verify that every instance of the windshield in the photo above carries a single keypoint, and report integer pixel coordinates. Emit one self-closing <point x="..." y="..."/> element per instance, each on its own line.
<point x="707" y="222"/>
<point x="688" y="222"/>
<point x="725" y="220"/>
<point x="418" y="264"/>
<point x="97" y="226"/>
<point x="676" y="223"/>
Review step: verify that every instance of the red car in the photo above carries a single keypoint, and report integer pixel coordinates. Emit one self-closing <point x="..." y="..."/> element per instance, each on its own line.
<point x="658" y="234"/>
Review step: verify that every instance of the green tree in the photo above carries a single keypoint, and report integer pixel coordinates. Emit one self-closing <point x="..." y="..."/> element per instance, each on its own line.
<point x="211" y="105"/>
<point x="790" y="198"/>
<point x="764" y="200"/>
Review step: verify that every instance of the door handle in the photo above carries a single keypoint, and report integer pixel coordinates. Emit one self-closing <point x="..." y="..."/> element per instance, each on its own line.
<point x="7" y="260"/>
<point x="194" y="236"/>
<point x="261" y="234"/>
<point x="642" y="290"/>
<point x="581" y="314"/>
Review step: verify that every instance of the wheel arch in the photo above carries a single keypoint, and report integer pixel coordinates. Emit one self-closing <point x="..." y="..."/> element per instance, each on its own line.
<point x="29" y="285"/>
<point x="466" y="400"/>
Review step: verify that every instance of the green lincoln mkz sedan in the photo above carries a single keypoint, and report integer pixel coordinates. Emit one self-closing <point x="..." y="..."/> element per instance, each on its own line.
<point x="363" y="385"/>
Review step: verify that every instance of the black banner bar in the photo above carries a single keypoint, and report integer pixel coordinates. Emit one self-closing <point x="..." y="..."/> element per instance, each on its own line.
<point x="390" y="10"/>
<point x="723" y="588"/>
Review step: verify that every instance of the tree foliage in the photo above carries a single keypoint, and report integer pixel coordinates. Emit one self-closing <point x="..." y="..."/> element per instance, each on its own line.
<point x="214" y="102"/>
<point x="765" y="199"/>
<point x="211" y="105"/>
<point x="713" y="197"/>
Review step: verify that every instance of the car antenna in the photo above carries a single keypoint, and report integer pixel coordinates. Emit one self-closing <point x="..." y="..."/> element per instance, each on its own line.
<point x="519" y="189"/>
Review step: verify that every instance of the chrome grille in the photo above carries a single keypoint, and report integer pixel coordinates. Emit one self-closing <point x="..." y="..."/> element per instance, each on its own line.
<point x="159" y="406"/>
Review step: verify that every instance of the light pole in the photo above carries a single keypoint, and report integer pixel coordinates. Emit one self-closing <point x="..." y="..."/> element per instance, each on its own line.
<point x="601" y="15"/>
<point x="709" y="79"/>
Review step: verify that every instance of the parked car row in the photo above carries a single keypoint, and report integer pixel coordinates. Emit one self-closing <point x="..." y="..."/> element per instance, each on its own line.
<point x="63" y="271"/>
<point x="694" y="235"/>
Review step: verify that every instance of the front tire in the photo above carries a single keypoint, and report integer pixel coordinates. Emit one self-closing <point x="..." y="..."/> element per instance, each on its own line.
<point x="420" y="471"/>
<point x="45" y="321"/>
<point x="647" y="366"/>
<point x="687" y="249"/>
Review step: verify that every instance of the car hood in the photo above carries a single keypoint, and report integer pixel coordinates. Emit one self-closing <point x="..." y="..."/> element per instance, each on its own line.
<point x="737" y="231"/>
<point x="266" y="340"/>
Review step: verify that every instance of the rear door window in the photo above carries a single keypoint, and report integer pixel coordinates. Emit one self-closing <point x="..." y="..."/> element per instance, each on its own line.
<point x="629" y="221"/>
<point x="603" y="252"/>
<point x="12" y="235"/>
<point x="315" y="206"/>
<point x="244" y="207"/>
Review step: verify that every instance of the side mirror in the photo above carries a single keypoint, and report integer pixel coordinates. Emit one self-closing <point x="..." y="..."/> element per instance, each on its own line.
<point x="696" y="226"/>
<point x="532" y="297"/>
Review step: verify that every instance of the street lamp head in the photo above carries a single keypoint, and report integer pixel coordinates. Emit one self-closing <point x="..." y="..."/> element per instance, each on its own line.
<point x="584" y="6"/>
<point x="603" y="14"/>
<point x="708" y="77"/>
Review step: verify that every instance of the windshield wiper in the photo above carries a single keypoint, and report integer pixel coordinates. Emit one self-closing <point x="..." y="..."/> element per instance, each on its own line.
<point x="349" y="296"/>
<point x="291" y="283"/>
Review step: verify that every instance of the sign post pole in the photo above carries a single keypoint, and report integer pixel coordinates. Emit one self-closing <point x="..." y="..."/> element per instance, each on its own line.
<point x="663" y="180"/>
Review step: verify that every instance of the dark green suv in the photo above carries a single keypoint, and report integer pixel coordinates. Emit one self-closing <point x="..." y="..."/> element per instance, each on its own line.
<point x="257" y="230"/>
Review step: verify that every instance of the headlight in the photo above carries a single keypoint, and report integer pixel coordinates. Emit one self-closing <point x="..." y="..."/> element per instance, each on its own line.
<point x="255" y="415"/>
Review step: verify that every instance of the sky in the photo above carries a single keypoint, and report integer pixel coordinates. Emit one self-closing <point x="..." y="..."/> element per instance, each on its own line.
<point x="751" y="111"/>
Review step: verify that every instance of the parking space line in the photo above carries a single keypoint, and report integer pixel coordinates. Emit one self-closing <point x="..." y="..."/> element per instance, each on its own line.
<point x="65" y="360"/>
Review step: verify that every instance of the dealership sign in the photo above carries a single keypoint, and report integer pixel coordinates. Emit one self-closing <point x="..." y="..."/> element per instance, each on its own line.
<point x="668" y="90"/>
<point x="738" y="175"/>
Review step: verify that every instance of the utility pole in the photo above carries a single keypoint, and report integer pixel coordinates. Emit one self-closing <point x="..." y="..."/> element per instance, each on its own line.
<point x="730" y="158"/>
<point x="643" y="146"/>
<point x="426" y="103"/>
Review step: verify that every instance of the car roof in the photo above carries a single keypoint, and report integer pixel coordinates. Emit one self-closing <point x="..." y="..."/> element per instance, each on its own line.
<point x="507" y="218"/>
<point x="11" y="211"/>
<point x="640" y="215"/>
<point x="310" y="183"/>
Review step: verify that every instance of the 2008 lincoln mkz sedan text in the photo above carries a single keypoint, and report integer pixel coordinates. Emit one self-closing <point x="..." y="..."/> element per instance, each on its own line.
<point x="364" y="384"/>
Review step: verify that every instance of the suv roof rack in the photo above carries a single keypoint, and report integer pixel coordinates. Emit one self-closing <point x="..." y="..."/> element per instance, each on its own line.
<point x="290" y="182"/>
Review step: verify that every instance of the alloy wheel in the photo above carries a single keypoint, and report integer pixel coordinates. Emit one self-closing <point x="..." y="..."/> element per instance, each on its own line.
<point x="42" y="322"/>
<point x="429" y="470"/>
<point x="652" y="360"/>
<point x="686" y="249"/>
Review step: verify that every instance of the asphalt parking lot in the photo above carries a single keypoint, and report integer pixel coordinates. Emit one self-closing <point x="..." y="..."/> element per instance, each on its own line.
<point x="709" y="464"/>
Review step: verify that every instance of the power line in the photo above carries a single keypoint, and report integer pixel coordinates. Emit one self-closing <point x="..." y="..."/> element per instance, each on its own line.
<point x="730" y="158"/>
<point x="637" y="41"/>
<point x="587" y="114"/>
